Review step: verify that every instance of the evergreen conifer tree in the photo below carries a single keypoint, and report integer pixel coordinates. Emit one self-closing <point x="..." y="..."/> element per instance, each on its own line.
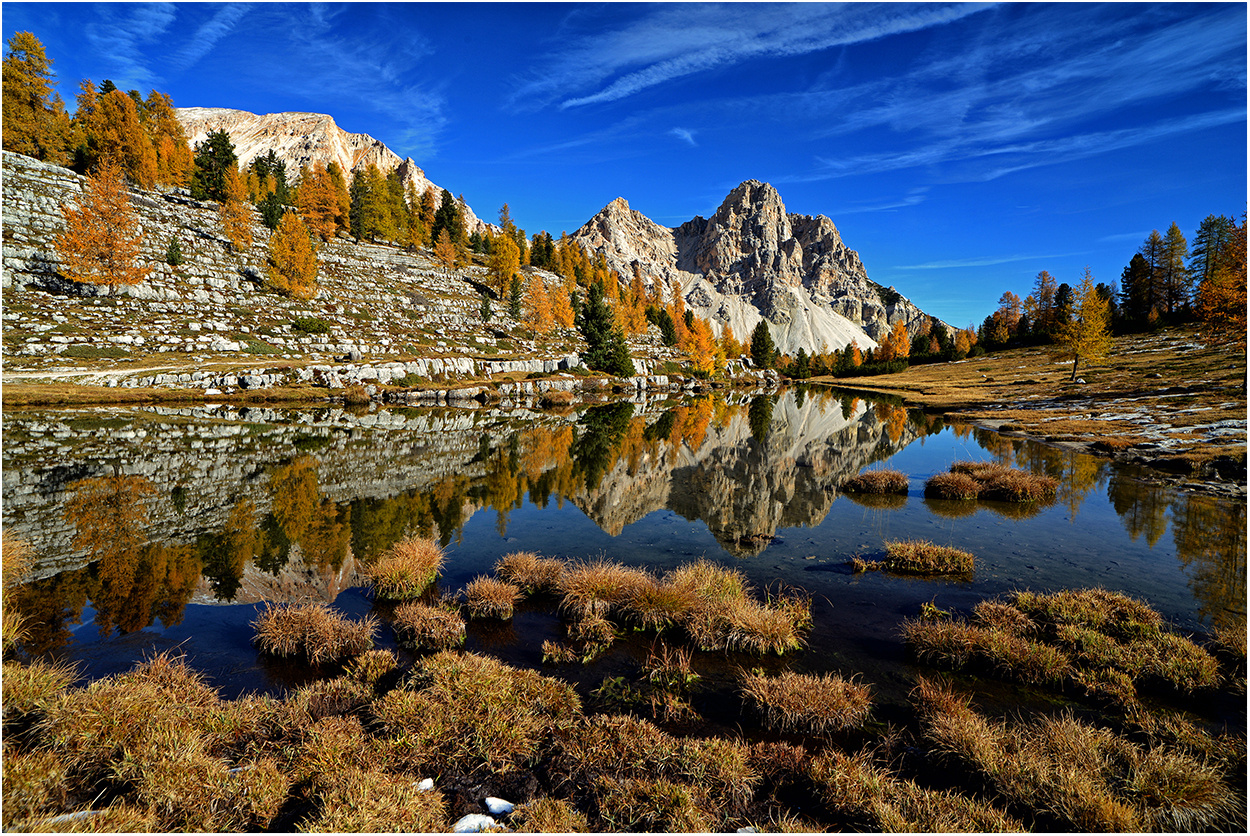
<point x="763" y="350"/>
<point x="606" y="349"/>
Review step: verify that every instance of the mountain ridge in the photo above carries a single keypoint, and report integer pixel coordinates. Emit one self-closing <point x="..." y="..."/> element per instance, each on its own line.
<point x="302" y="138"/>
<point x="752" y="261"/>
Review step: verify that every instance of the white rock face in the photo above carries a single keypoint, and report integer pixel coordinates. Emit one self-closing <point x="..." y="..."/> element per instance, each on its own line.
<point x="752" y="260"/>
<point x="301" y="139"/>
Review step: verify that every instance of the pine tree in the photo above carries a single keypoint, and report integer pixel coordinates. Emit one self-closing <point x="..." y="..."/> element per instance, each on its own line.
<point x="235" y="212"/>
<point x="606" y="349"/>
<point x="1153" y="251"/>
<point x="763" y="350"/>
<point x="1173" y="275"/>
<point x="292" y="264"/>
<point x="515" y="297"/>
<point x="1040" y="304"/>
<point x="1087" y="337"/>
<point x="1135" y="290"/>
<point x="34" y="118"/>
<point x="102" y="238"/>
<point x="1212" y="233"/>
<point x="214" y="158"/>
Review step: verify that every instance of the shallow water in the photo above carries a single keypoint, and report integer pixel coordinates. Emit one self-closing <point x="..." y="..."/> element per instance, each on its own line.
<point x="203" y="514"/>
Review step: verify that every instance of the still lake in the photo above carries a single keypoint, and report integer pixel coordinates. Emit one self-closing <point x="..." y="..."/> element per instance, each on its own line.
<point x="229" y="507"/>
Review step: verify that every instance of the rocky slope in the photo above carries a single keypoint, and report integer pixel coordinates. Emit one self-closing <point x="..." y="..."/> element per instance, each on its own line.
<point x="752" y="260"/>
<point x="301" y="139"/>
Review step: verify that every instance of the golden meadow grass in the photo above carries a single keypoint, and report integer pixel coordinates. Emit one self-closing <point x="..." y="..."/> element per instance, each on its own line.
<point x="406" y="569"/>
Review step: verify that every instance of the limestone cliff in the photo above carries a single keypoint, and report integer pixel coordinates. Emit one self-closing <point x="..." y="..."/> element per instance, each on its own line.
<point x="301" y="139"/>
<point x="752" y="260"/>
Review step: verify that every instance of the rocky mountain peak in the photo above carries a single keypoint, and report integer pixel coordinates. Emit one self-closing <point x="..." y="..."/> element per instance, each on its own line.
<point x="303" y="139"/>
<point x="753" y="260"/>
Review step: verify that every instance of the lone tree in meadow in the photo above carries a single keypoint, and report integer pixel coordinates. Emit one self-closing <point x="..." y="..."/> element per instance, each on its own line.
<point x="102" y="237"/>
<point x="1087" y="335"/>
<point x="292" y="265"/>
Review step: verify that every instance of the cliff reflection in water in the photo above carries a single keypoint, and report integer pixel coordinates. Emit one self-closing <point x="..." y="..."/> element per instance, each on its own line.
<point x="143" y="550"/>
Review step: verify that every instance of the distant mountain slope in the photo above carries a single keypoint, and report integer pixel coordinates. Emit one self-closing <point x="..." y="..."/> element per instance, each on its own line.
<point x="753" y="260"/>
<point x="303" y="139"/>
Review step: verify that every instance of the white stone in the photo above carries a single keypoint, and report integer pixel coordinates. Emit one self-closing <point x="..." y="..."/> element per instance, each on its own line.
<point x="474" y="823"/>
<point x="498" y="806"/>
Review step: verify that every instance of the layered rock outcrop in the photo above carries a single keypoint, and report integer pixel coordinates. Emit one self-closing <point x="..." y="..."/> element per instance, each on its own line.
<point x="752" y="260"/>
<point x="301" y="139"/>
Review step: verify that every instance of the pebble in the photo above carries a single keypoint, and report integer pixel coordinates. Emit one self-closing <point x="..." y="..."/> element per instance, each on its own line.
<point x="474" y="823"/>
<point x="498" y="806"/>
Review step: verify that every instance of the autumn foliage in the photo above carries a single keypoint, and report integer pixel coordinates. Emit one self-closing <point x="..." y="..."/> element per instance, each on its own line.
<point x="102" y="238"/>
<point x="292" y="266"/>
<point x="1221" y="300"/>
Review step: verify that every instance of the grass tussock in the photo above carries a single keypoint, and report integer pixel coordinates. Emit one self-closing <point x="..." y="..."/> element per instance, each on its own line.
<point x="531" y="572"/>
<point x="28" y="689"/>
<point x="877" y="482"/>
<point x="370" y="667"/>
<point x="600" y="587"/>
<point x="548" y="815"/>
<point x="312" y="631"/>
<point x="872" y="798"/>
<point x="511" y="719"/>
<point x="406" y="569"/>
<point x="424" y="627"/>
<point x="1097" y="641"/>
<point x="1085" y="777"/>
<point x="991" y="481"/>
<point x="921" y="557"/>
<point x="808" y="704"/>
<point x="488" y="597"/>
<point x="361" y="800"/>
<point x="15" y="559"/>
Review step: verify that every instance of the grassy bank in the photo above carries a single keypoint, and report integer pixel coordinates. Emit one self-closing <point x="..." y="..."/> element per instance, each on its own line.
<point x="1157" y="396"/>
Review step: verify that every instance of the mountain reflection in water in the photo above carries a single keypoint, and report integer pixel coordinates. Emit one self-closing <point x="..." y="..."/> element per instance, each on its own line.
<point x="202" y="506"/>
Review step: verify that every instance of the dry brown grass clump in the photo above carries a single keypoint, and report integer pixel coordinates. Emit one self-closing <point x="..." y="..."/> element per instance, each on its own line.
<point x="1104" y="642"/>
<point x="407" y="569"/>
<point x="808" y="704"/>
<point x="921" y="557"/>
<point x="548" y="815"/>
<point x="423" y="627"/>
<point x="35" y="787"/>
<point x="489" y="597"/>
<point x="639" y="805"/>
<point x="1087" y="778"/>
<point x="877" y="482"/>
<point x="600" y="586"/>
<point x="530" y="572"/>
<point x="872" y="798"/>
<point x="362" y="800"/>
<point x="556" y="397"/>
<point x="952" y="486"/>
<point x="371" y="666"/>
<point x="473" y="713"/>
<point x="659" y="605"/>
<point x="312" y="631"/>
<point x="29" y="688"/>
<point x="14" y="559"/>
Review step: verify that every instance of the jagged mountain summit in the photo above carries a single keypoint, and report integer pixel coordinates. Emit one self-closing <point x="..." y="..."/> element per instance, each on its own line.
<point x="753" y="260"/>
<point x="303" y="139"/>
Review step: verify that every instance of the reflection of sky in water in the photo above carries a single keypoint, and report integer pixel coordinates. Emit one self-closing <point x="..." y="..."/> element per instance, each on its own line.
<point x="1081" y="540"/>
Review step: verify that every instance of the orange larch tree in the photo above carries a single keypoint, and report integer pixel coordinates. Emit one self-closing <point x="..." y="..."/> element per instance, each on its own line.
<point x="292" y="264"/>
<point x="1221" y="302"/>
<point x="538" y="310"/>
<point x="102" y="237"/>
<point x="236" y="212"/>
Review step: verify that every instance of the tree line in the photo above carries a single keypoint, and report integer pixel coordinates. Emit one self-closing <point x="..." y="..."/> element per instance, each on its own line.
<point x="1165" y="282"/>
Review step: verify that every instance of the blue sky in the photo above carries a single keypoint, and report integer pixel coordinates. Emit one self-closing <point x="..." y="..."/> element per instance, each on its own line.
<point x="960" y="148"/>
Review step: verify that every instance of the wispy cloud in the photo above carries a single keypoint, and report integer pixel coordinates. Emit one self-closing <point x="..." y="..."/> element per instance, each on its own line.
<point x="982" y="261"/>
<point x="1123" y="236"/>
<point x="685" y="135"/>
<point x="123" y="33"/>
<point x="913" y="198"/>
<point x="681" y="40"/>
<point x="208" y="35"/>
